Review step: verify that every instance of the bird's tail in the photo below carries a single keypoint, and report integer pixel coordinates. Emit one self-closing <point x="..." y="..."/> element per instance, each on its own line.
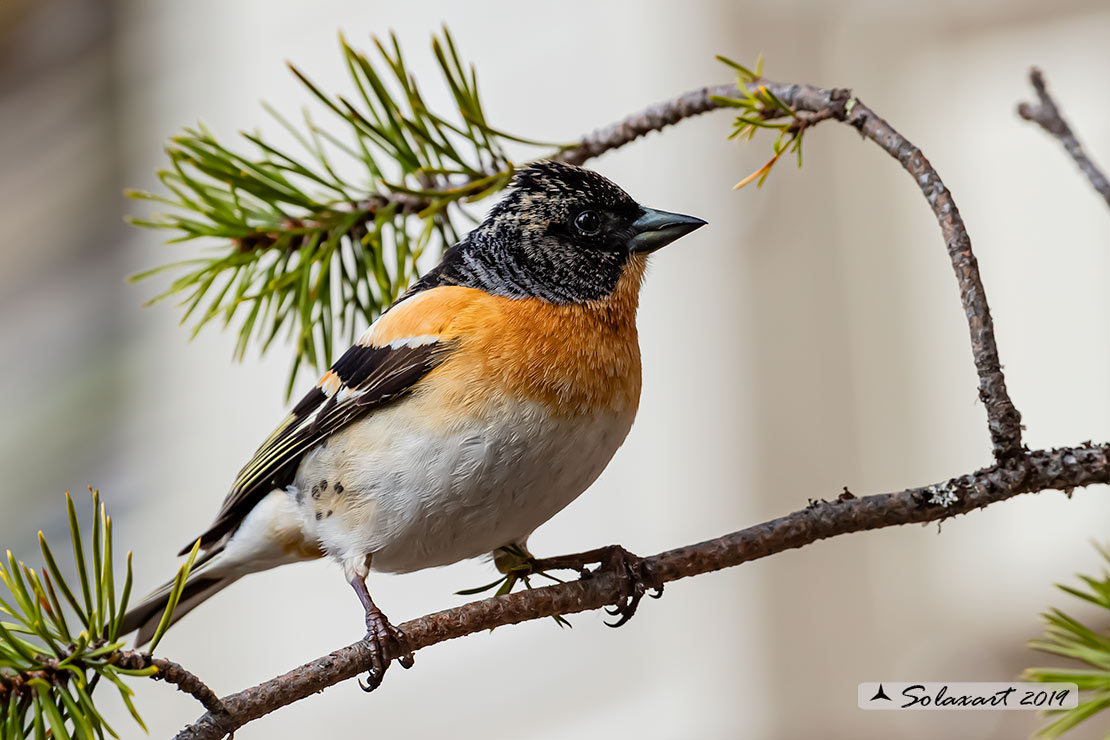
<point x="270" y="535"/>
<point x="205" y="580"/>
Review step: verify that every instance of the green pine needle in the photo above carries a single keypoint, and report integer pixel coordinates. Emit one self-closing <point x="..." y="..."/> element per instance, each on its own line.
<point x="762" y="109"/>
<point x="175" y="596"/>
<point x="303" y="252"/>
<point x="58" y="638"/>
<point x="1068" y="638"/>
<point x="519" y="568"/>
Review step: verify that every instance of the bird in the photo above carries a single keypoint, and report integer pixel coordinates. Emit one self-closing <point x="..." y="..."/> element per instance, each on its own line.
<point x="482" y="402"/>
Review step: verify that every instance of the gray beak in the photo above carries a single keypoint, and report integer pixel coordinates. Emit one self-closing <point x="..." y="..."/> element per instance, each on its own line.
<point x="655" y="229"/>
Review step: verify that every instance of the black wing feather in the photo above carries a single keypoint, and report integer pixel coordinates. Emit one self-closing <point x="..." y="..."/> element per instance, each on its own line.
<point x="369" y="378"/>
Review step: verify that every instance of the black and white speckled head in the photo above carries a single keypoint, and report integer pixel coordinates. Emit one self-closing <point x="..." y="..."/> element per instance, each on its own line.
<point x="562" y="234"/>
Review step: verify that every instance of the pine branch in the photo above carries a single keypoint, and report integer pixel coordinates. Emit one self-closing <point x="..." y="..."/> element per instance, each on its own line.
<point x="1047" y="115"/>
<point x="58" y="640"/>
<point x="303" y="249"/>
<point x="1068" y="638"/>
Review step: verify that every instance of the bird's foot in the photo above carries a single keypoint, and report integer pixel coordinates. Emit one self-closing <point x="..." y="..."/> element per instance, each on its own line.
<point x="386" y="643"/>
<point x="615" y="559"/>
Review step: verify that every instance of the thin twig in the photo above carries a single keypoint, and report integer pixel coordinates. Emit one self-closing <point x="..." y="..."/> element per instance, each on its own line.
<point x="367" y="208"/>
<point x="1065" y="468"/>
<point x="1047" y="115"/>
<point x="653" y="118"/>
<point x="175" y="673"/>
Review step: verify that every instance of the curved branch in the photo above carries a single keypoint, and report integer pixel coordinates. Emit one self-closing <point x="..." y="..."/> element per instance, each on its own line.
<point x="1065" y="468"/>
<point x="176" y="674"/>
<point x="53" y="672"/>
<point x="1046" y="115"/>
<point x="1017" y="471"/>
<point x="1003" y="419"/>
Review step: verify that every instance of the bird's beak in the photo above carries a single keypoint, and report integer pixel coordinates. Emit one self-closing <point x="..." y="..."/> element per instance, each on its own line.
<point x="655" y="229"/>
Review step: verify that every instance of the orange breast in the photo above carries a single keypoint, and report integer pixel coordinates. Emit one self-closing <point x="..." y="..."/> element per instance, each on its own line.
<point x="575" y="359"/>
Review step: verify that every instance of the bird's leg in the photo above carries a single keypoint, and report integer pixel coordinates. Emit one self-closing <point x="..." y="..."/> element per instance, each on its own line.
<point x="514" y="562"/>
<point x="512" y="557"/>
<point x="517" y="564"/>
<point x="385" y="640"/>
<point x="616" y="559"/>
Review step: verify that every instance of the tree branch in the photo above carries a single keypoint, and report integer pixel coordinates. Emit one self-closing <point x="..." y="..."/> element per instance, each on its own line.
<point x="1065" y="468"/>
<point x="653" y="118"/>
<point x="1046" y="115"/>
<point x="1016" y="471"/>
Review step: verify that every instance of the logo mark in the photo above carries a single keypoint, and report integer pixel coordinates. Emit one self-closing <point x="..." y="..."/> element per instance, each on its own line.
<point x="880" y="694"/>
<point x="965" y="695"/>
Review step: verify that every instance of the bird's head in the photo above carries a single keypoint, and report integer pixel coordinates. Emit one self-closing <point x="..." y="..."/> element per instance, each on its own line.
<point x="566" y="235"/>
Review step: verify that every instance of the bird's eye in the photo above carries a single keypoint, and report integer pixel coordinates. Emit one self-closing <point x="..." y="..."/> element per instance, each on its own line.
<point x="588" y="223"/>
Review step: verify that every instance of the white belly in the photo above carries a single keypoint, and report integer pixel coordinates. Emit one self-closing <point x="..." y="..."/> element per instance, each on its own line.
<point x="414" y="492"/>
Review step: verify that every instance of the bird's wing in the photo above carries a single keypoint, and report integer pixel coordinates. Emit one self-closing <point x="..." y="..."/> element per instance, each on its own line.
<point x="392" y="355"/>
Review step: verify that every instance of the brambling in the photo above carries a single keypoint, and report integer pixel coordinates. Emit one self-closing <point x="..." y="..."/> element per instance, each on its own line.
<point x="481" y="403"/>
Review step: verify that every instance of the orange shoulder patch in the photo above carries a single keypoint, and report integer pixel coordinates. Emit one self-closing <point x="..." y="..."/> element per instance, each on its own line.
<point x="428" y="314"/>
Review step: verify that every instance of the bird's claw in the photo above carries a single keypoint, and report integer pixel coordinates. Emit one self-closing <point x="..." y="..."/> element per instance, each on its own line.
<point x="615" y="559"/>
<point x="636" y="573"/>
<point x="386" y="643"/>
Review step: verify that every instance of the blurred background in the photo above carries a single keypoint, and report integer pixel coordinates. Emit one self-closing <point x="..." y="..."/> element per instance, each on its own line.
<point x="821" y="345"/>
